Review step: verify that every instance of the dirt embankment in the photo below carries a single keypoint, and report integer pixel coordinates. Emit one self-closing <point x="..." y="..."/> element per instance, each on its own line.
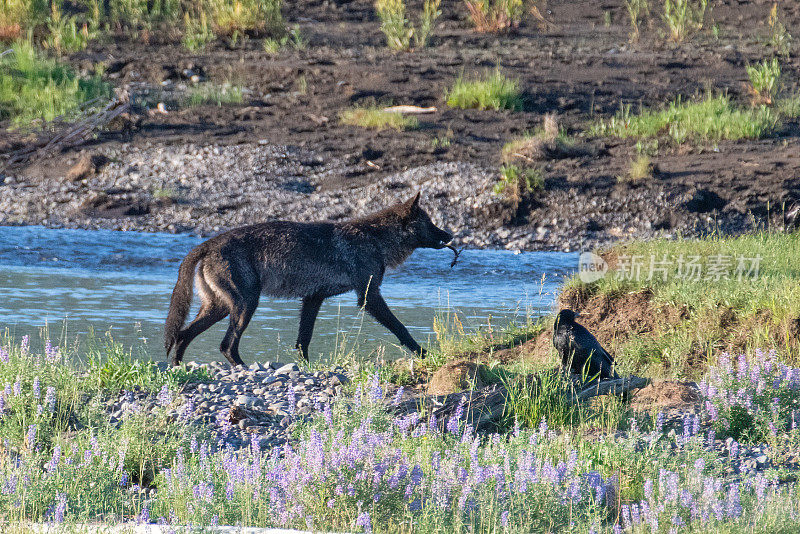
<point x="283" y="153"/>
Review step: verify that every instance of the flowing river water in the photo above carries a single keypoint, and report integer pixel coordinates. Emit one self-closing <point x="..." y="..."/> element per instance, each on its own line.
<point x="80" y="281"/>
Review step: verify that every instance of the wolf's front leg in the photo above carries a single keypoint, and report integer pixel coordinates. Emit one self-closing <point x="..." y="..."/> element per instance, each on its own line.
<point x="377" y="307"/>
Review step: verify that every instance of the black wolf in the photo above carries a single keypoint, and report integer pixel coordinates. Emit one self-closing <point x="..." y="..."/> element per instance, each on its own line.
<point x="311" y="261"/>
<point x="579" y="349"/>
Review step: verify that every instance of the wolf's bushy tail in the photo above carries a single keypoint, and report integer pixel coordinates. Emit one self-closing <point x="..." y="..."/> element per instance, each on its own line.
<point x="181" y="297"/>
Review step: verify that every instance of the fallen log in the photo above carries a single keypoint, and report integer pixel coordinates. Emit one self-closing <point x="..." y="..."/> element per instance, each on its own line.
<point x="617" y="386"/>
<point x="484" y="407"/>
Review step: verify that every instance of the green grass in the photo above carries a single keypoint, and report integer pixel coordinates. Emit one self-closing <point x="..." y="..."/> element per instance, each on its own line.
<point x="640" y="168"/>
<point x="695" y="317"/>
<point x="518" y="181"/>
<point x="684" y="17"/>
<point x="710" y="119"/>
<point x="33" y="87"/>
<point x="493" y="16"/>
<point x="209" y="93"/>
<point x="197" y="32"/>
<point x="789" y="107"/>
<point x="400" y="33"/>
<point x="489" y="91"/>
<point x="765" y="80"/>
<point x="236" y="18"/>
<point x="376" y="118"/>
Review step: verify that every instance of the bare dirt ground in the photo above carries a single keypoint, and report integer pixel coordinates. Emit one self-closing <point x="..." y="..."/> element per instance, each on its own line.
<point x="579" y="68"/>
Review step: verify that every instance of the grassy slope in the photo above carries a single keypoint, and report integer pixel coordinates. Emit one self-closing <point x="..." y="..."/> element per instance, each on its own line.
<point x="689" y="319"/>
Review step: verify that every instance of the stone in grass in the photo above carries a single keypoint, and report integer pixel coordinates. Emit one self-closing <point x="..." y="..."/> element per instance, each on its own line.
<point x="247" y="400"/>
<point x="455" y="376"/>
<point x="286" y="369"/>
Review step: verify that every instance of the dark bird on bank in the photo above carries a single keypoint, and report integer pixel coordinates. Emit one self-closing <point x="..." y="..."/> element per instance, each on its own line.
<point x="579" y="349"/>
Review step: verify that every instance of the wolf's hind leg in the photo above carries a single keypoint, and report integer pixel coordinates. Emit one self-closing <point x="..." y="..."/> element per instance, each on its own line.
<point x="240" y="317"/>
<point x="206" y="318"/>
<point x="308" y="315"/>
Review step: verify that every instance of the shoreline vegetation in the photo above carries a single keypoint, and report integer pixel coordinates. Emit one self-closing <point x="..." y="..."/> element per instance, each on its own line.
<point x="92" y="434"/>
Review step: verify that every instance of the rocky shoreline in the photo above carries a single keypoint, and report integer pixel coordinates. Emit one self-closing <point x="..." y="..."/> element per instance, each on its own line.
<point x="240" y="406"/>
<point x="209" y="188"/>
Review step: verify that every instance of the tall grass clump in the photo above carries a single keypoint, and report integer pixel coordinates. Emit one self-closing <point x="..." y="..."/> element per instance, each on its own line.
<point x="377" y="118"/>
<point x="18" y="16"/>
<point x="765" y="81"/>
<point x="711" y="119"/>
<point x="684" y="17"/>
<point x="399" y="31"/>
<point x="241" y="17"/>
<point x="640" y="168"/>
<point x="209" y="93"/>
<point x="516" y="182"/>
<point x="144" y="14"/>
<point x="65" y="34"/>
<point x="493" y="16"/>
<point x="779" y="38"/>
<point x="489" y="91"/>
<point x="638" y="11"/>
<point x="197" y="32"/>
<point x="33" y="87"/>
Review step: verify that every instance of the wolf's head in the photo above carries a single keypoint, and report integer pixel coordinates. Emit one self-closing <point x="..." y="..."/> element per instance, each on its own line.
<point x="419" y="229"/>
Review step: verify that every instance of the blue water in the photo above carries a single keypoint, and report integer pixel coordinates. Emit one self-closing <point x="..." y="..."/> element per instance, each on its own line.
<point x="101" y="280"/>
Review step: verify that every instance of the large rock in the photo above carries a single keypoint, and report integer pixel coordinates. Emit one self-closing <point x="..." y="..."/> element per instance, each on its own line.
<point x="455" y="376"/>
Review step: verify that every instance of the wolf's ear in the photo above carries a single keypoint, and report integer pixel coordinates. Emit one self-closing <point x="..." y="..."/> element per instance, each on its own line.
<point x="412" y="204"/>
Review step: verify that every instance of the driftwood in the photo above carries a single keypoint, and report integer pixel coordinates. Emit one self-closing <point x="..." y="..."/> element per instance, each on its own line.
<point x="74" y="133"/>
<point x="617" y="386"/>
<point x="483" y="408"/>
<point x="410" y="109"/>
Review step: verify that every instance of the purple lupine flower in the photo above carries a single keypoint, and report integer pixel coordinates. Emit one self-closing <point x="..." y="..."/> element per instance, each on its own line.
<point x="51" y="353"/>
<point x="52" y="465"/>
<point x="5" y="356"/>
<point x="292" y="400"/>
<point x="60" y="507"/>
<point x="660" y="422"/>
<point x="375" y="390"/>
<point x="432" y="425"/>
<point x="144" y="516"/>
<point x="504" y="518"/>
<point x="648" y="489"/>
<point x="30" y="437"/>
<point x="2" y="404"/>
<point x="17" y="387"/>
<point x="37" y="388"/>
<point x="733" y="505"/>
<point x="24" y="345"/>
<point x="452" y="424"/>
<point x="123" y="481"/>
<point x="398" y="395"/>
<point x="363" y="520"/>
<point x="50" y="399"/>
